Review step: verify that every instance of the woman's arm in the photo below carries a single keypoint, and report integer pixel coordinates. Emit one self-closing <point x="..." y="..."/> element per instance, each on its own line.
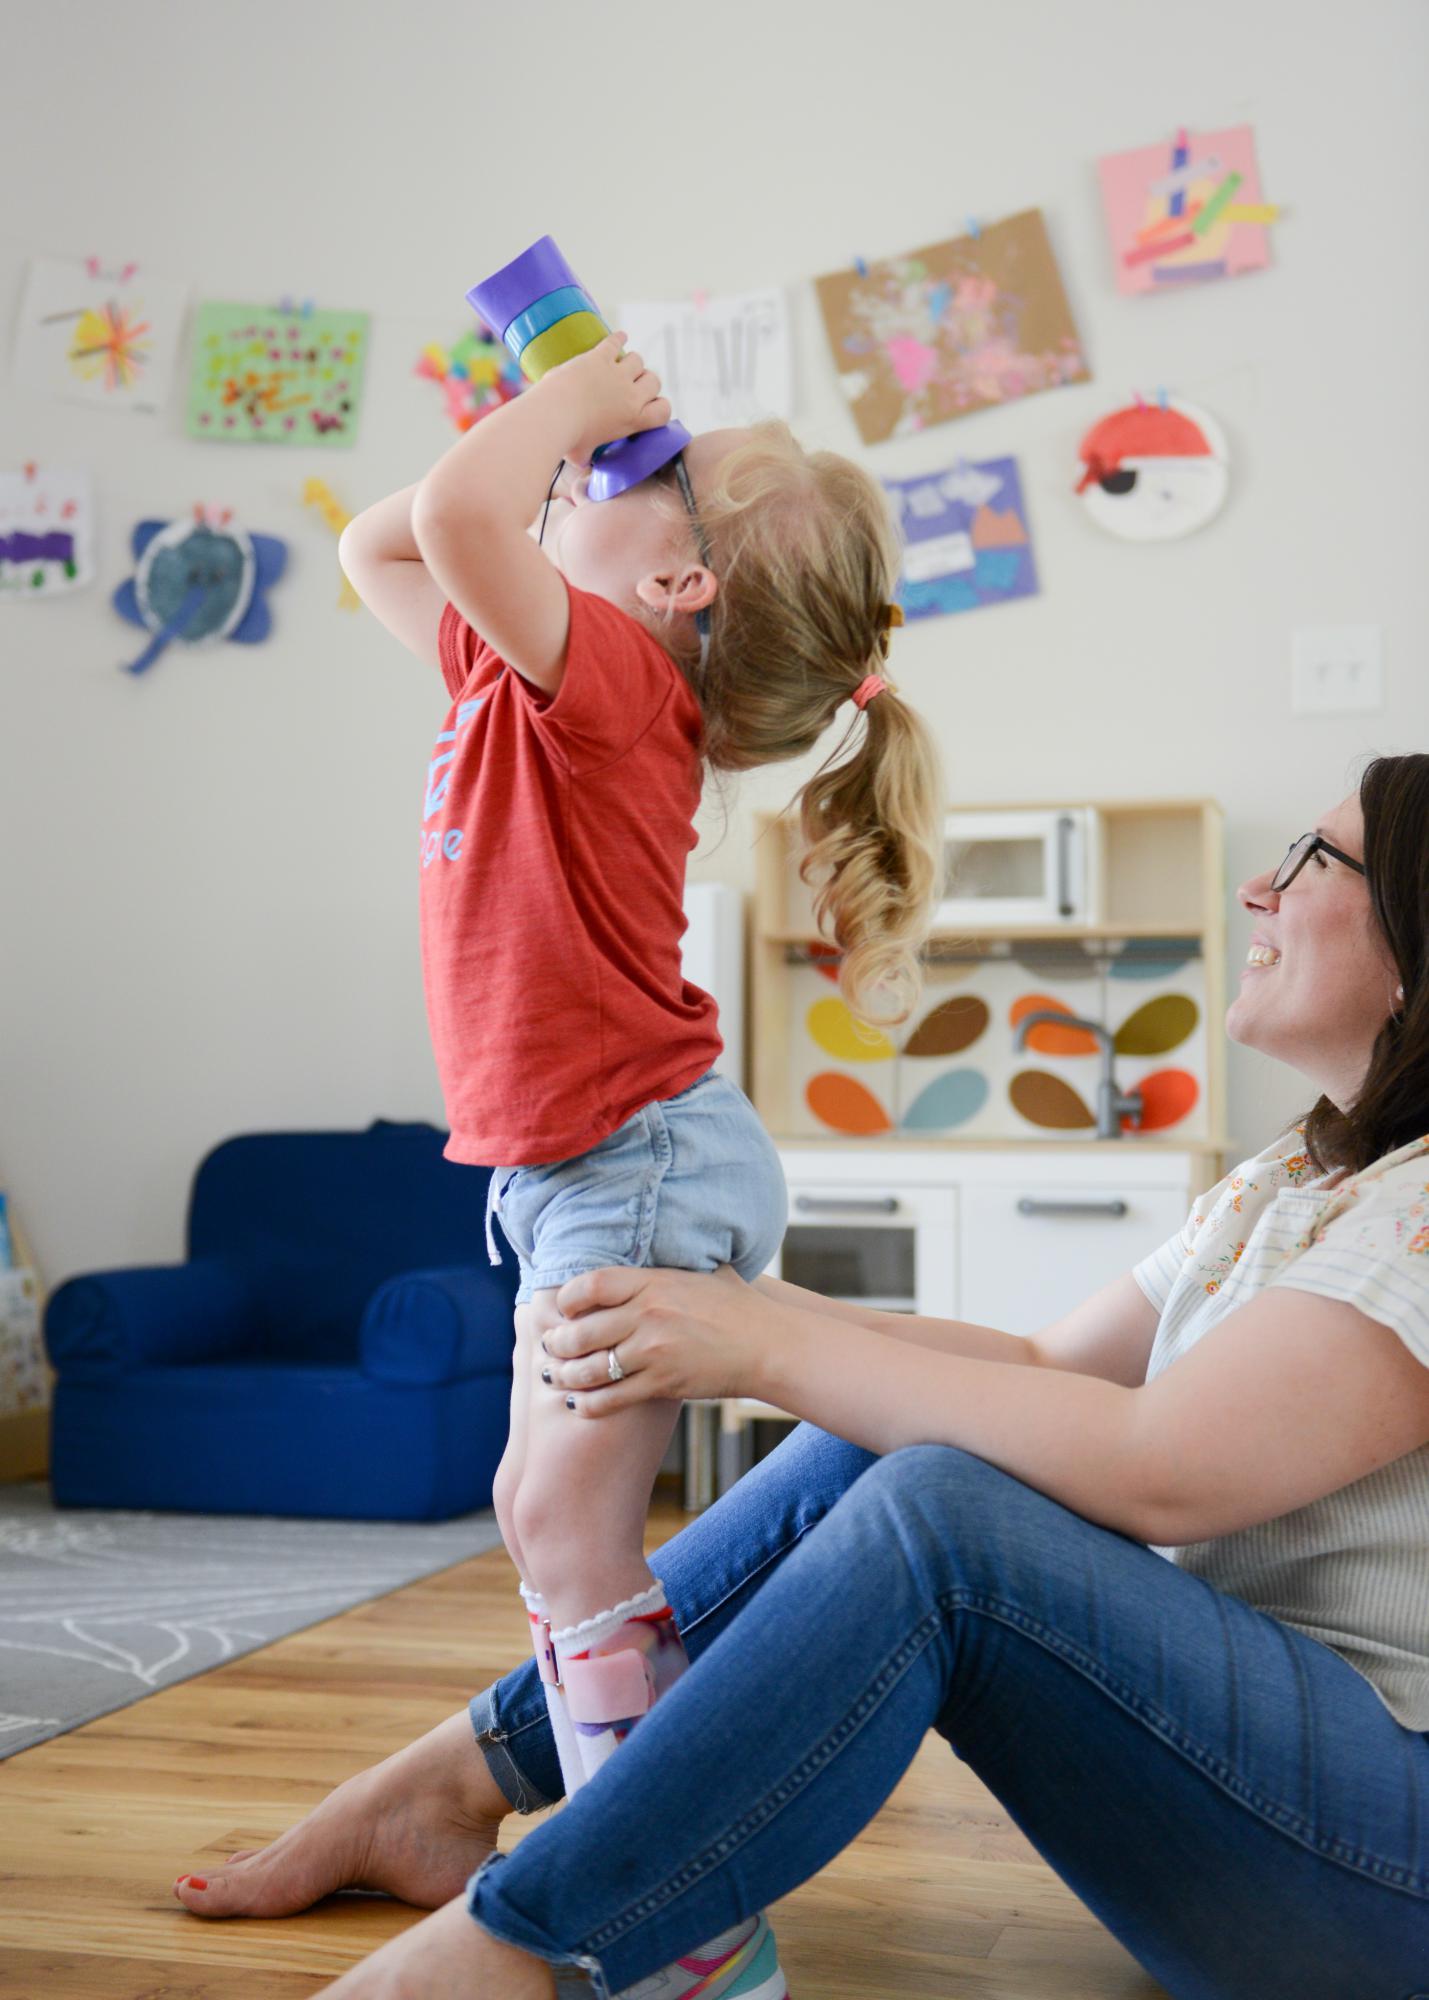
<point x="1109" y="1335"/>
<point x="1291" y="1397"/>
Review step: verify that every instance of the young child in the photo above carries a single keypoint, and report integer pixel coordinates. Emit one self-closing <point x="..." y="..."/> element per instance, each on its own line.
<point x="718" y="615"/>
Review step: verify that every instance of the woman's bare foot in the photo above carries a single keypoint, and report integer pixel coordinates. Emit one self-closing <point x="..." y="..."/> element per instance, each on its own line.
<point x="415" y="1826"/>
<point x="447" y="1955"/>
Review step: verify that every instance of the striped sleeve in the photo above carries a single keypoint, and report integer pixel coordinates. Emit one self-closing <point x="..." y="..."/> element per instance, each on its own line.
<point x="1157" y="1273"/>
<point x="1375" y="1257"/>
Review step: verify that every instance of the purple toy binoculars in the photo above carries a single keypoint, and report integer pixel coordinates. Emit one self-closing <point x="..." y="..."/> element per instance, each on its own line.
<point x="545" y="315"/>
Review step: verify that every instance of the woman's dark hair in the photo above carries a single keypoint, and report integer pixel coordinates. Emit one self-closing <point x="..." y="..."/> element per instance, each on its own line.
<point x="1393" y="1104"/>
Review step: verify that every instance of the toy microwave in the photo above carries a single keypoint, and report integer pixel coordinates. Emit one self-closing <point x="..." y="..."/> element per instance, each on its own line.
<point x="1034" y="869"/>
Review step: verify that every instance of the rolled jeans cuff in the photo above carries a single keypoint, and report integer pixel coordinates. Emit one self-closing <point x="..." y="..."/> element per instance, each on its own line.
<point x="496" y="1743"/>
<point x="576" y="1973"/>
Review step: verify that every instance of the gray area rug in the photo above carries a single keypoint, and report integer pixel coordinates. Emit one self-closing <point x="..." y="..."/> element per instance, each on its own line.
<point x="98" y="1608"/>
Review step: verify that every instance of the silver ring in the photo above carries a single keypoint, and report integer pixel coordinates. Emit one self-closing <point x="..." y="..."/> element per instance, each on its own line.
<point x="612" y="1365"/>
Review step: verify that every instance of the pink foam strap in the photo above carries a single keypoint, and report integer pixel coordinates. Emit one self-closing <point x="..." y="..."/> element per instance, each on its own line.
<point x="609" y="1687"/>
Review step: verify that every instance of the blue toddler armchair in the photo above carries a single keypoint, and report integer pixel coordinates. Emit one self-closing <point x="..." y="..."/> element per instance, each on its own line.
<point x="336" y="1343"/>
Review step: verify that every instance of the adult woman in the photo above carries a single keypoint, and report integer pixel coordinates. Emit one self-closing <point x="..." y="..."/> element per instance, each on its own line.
<point x="1223" y="1754"/>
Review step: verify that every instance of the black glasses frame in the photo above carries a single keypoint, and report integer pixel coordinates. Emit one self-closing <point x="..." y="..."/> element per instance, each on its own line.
<point x="687" y="494"/>
<point x="1299" y="852"/>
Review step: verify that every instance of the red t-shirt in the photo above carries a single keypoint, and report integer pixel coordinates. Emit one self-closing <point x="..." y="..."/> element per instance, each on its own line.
<point x="554" y="837"/>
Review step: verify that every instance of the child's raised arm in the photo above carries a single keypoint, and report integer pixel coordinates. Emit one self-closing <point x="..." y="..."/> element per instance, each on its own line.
<point x="469" y="515"/>
<point x="381" y="560"/>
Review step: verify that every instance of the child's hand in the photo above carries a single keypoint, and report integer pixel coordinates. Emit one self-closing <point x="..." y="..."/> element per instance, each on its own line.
<point x="609" y="395"/>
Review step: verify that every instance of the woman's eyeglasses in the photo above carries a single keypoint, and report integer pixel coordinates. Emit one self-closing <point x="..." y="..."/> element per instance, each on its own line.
<point x="1300" y="852"/>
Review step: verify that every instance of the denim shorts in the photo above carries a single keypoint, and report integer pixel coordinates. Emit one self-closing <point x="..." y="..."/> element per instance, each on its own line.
<point x="691" y="1181"/>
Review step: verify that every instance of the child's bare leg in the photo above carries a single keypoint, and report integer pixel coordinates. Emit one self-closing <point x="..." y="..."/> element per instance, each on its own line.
<point x="530" y="1324"/>
<point x="583" y="1497"/>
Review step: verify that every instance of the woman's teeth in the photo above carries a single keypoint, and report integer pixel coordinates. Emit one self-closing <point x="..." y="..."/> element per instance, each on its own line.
<point x="1262" y="954"/>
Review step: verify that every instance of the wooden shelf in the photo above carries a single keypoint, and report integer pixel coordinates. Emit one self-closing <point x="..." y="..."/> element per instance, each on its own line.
<point x="1026" y="934"/>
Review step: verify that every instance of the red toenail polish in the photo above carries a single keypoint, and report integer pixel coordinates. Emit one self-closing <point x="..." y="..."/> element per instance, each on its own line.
<point x="197" y="1882"/>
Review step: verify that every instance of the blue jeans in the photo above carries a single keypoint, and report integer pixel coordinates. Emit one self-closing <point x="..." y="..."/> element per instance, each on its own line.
<point x="1227" y="1796"/>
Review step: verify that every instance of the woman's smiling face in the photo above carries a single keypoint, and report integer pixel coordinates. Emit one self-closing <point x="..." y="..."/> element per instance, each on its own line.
<point x="1318" y="982"/>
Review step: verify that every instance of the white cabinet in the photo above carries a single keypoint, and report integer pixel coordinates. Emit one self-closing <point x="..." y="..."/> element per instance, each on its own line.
<point x="1032" y="1248"/>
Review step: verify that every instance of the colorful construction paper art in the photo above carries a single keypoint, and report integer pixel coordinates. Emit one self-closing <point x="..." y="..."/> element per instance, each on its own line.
<point x="320" y="496"/>
<point x="953" y="328"/>
<point x="1187" y="211"/>
<point x="200" y="579"/>
<point x="46" y="534"/>
<point x="95" y="336"/>
<point x="262" y="376"/>
<point x="965" y="538"/>
<point x="1153" y="471"/>
<point x="722" y="360"/>
<point x="476" y="374"/>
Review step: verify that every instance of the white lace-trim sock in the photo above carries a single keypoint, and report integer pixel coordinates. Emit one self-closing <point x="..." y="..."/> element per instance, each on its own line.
<point x="614" y="1666"/>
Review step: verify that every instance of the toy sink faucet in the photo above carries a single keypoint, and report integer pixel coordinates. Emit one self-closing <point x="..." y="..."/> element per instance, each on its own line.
<point x="545" y="315"/>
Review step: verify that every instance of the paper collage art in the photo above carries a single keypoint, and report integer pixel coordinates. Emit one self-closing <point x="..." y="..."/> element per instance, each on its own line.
<point x="261" y="376"/>
<point x="1154" y="471"/>
<point x="952" y="1070"/>
<point x="46" y="534"/>
<point x="721" y="361"/>
<point x="476" y="374"/>
<point x="965" y="538"/>
<point x="107" y="339"/>
<point x="956" y="327"/>
<point x="1186" y="212"/>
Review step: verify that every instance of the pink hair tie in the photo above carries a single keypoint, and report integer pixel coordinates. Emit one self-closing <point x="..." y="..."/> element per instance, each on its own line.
<point x="867" y="688"/>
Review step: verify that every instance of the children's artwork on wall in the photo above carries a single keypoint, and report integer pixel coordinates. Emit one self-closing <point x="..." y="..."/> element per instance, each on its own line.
<point x="316" y="493"/>
<point x="721" y="360"/>
<point x="965" y="538"/>
<point x="262" y="376"/>
<point x="1186" y="212"/>
<point x="950" y="329"/>
<point x="200" y="579"/>
<point x="476" y="374"/>
<point x="1153" y="471"/>
<point x="46" y="534"/>
<point x="91" y="335"/>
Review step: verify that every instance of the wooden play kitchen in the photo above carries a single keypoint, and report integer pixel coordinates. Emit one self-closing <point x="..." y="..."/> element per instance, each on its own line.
<point x="952" y="1166"/>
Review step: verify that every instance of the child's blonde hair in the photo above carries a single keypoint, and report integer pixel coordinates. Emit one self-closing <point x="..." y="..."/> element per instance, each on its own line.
<point x="807" y="557"/>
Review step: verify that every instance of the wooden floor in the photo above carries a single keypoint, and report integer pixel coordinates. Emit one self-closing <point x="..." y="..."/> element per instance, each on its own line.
<point x="941" y="1896"/>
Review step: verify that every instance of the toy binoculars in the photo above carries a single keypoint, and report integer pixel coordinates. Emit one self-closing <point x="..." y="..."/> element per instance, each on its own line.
<point x="545" y="315"/>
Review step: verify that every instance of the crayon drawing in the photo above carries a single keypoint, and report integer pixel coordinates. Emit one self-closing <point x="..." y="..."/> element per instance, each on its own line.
<point x="89" y="335"/>
<point x="264" y="376"/>
<point x="46" y="534"/>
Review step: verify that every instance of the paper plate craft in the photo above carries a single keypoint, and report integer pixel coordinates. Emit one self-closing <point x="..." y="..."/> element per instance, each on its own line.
<point x="46" y="534"/>
<point x="476" y="375"/>
<point x="952" y="328"/>
<point x="199" y="581"/>
<point x="1186" y="212"/>
<point x="1153" y="471"/>
<point x="265" y="376"/>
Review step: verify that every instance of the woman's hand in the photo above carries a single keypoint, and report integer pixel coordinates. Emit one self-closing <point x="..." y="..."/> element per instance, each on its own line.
<point x="678" y="1334"/>
<point x="609" y="395"/>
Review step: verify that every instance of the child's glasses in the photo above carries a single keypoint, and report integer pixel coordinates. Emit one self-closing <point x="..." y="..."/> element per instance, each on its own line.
<point x="687" y="494"/>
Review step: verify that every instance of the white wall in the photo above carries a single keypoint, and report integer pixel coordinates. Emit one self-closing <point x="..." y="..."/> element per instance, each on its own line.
<point x="208" y="887"/>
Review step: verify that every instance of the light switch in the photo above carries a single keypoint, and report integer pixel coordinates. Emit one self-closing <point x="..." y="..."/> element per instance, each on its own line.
<point x="1336" y="668"/>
